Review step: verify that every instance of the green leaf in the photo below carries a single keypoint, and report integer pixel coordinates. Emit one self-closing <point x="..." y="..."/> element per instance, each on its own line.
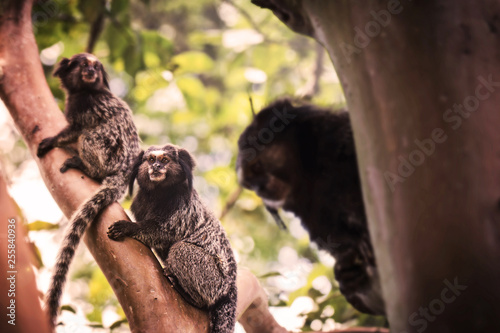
<point x="41" y="225"/>
<point x="68" y="308"/>
<point x="133" y="58"/>
<point x="38" y="262"/>
<point x="96" y="325"/>
<point x="119" y="6"/>
<point x="270" y="274"/>
<point x="157" y="50"/>
<point x="192" y="62"/>
<point x="91" y="9"/>
<point x="100" y="293"/>
<point x="118" y="323"/>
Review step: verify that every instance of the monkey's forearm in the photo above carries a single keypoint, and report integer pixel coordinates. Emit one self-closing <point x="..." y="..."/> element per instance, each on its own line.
<point x="66" y="136"/>
<point x="139" y="231"/>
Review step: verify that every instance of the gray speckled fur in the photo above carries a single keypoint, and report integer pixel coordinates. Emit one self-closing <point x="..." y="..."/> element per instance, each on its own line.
<point x="101" y="126"/>
<point x="185" y="234"/>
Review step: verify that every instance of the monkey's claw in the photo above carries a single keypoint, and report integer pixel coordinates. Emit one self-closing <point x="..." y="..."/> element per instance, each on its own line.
<point x="44" y="147"/>
<point x="118" y="230"/>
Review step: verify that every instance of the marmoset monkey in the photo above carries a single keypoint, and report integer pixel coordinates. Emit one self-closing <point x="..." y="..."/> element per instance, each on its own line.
<point x="184" y="233"/>
<point x="302" y="158"/>
<point x="107" y="144"/>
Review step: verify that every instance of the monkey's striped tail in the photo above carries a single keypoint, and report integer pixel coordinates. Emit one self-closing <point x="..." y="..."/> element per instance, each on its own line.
<point x="223" y="313"/>
<point x="82" y="218"/>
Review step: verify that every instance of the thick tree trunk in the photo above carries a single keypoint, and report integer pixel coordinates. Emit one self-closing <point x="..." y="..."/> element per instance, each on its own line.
<point x="422" y="82"/>
<point x="19" y="296"/>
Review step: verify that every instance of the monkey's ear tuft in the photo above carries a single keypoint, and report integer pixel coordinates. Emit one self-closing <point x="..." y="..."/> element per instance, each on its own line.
<point x="62" y="67"/>
<point x="105" y="77"/>
<point x="187" y="163"/>
<point x="135" y="172"/>
<point x="284" y="103"/>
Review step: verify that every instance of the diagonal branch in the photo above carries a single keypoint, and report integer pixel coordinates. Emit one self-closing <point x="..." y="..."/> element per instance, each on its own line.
<point x="96" y="28"/>
<point x="130" y="267"/>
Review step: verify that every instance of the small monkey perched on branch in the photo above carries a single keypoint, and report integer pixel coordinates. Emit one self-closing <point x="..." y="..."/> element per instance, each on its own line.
<point x="185" y="234"/>
<point x="101" y="126"/>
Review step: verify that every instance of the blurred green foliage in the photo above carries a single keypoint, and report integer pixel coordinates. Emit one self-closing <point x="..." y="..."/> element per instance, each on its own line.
<point x="187" y="69"/>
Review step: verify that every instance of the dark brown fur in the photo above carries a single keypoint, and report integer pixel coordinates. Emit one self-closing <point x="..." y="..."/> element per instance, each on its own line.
<point x="302" y="158"/>
<point x="185" y="234"/>
<point x="101" y="126"/>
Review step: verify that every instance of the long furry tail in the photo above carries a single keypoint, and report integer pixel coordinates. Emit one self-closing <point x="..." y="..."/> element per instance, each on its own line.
<point x="223" y="313"/>
<point x="110" y="191"/>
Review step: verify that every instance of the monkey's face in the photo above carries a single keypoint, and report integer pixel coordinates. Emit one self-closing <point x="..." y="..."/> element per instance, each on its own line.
<point x="268" y="172"/>
<point x="157" y="161"/>
<point x="82" y="72"/>
<point x="165" y="166"/>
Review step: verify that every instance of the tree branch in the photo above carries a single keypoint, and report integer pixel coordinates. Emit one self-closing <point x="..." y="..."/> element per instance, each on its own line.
<point x="312" y="87"/>
<point x="231" y="201"/>
<point x="96" y="28"/>
<point x="252" y="23"/>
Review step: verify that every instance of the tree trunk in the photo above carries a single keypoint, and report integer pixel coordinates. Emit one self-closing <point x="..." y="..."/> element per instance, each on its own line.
<point x="422" y="82"/>
<point x="19" y="296"/>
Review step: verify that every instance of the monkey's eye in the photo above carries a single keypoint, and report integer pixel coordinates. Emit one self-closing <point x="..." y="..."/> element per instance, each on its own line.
<point x="151" y="159"/>
<point x="164" y="160"/>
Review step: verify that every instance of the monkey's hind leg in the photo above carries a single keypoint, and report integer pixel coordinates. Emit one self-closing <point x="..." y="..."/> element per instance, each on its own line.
<point x="198" y="274"/>
<point x="175" y="284"/>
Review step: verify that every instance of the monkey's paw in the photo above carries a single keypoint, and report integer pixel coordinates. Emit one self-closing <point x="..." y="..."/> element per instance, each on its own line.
<point x="64" y="168"/>
<point x="44" y="147"/>
<point x="119" y="230"/>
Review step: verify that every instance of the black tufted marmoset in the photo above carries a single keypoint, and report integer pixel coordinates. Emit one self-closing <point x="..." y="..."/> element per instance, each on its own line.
<point x="302" y="158"/>
<point x="106" y="140"/>
<point x="184" y="233"/>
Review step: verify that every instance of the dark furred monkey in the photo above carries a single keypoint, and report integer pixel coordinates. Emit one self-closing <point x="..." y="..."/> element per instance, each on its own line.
<point x="302" y="158"/>
<point x="185" y="234"/>
<point x="101" y="126"/>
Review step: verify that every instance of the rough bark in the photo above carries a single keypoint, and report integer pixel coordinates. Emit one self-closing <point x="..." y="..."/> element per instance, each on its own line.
<point x="439" y="221"/>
